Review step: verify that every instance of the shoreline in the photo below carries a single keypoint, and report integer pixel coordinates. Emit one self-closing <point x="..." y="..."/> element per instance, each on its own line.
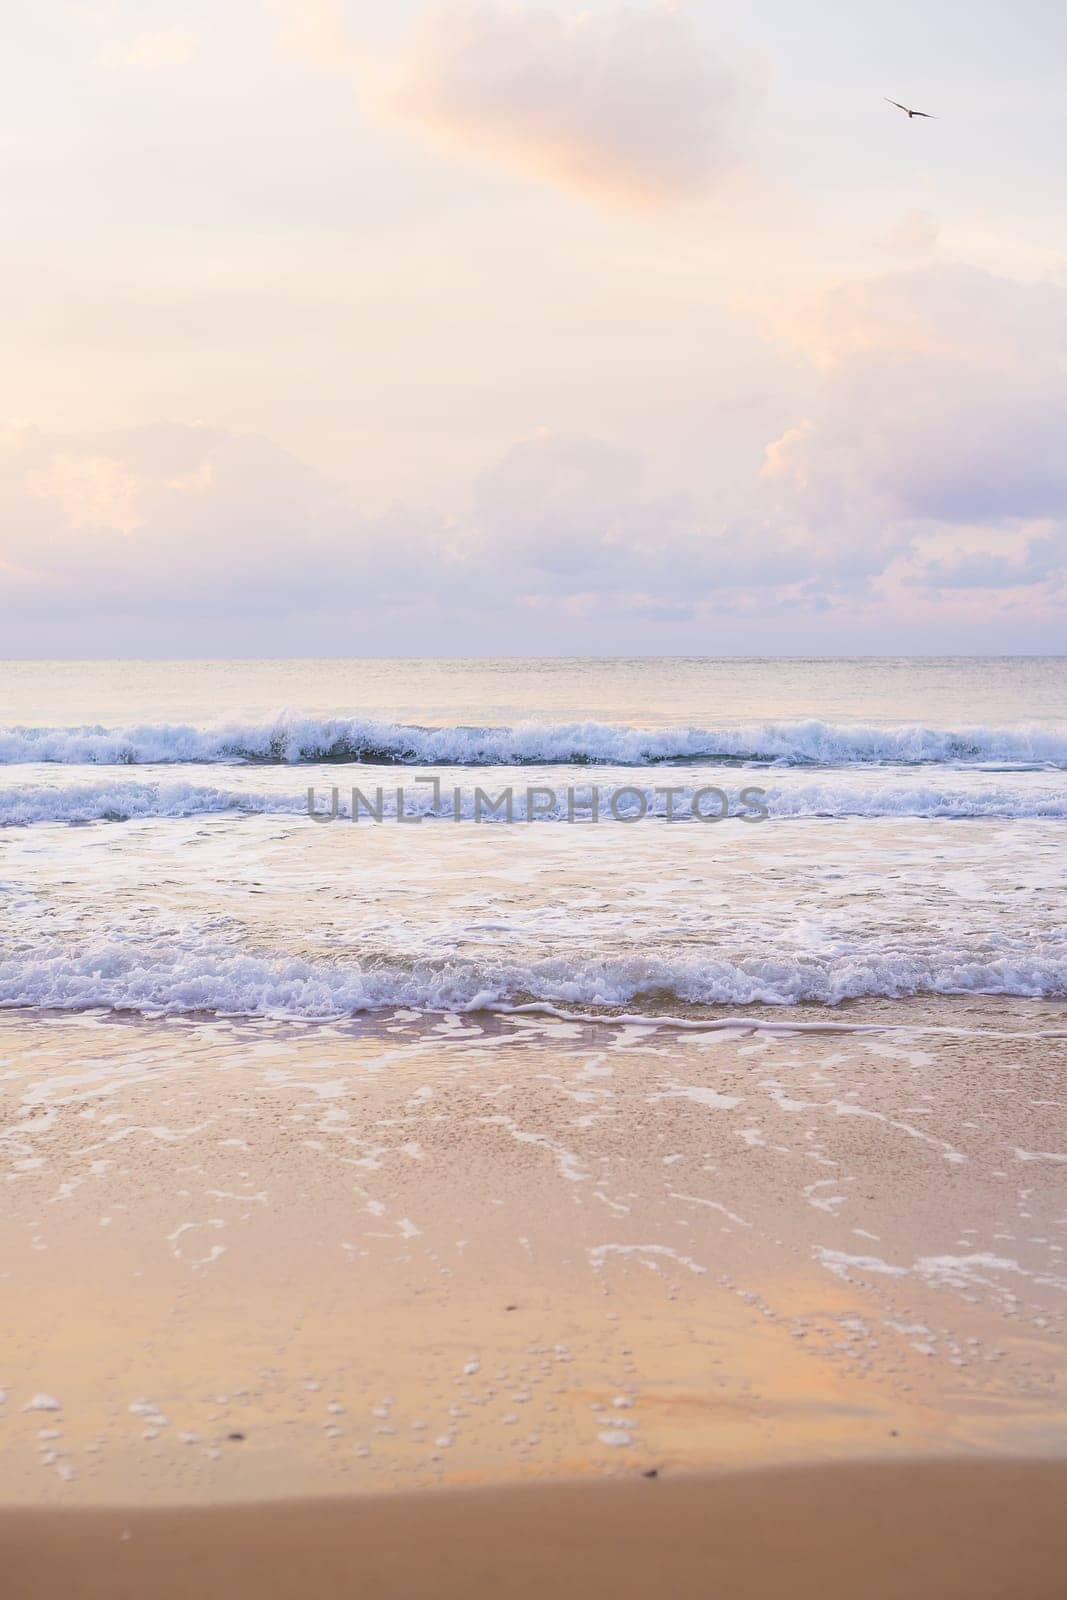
<point x="964" y="1014"/>
<point x="905" y="1530"/>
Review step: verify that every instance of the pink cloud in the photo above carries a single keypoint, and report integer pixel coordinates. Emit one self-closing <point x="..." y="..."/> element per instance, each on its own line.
<point x="629" y="105"/>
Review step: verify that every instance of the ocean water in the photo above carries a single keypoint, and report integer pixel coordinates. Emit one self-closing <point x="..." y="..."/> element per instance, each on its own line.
<point x="818" y="839"/>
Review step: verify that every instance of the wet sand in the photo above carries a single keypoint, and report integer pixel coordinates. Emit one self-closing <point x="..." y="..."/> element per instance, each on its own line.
<point x="906" y="1531"/>
<point x="415" y="1308"/>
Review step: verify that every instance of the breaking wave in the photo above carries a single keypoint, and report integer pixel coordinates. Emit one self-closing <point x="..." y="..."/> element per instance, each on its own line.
<point x="161" y="976"/>
<point x="292" y="739"/>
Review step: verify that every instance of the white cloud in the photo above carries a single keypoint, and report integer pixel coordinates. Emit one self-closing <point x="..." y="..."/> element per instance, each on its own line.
<point x="629" y="105"/>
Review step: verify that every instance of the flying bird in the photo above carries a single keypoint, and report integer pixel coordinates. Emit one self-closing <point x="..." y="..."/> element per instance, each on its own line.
<point x="909" y="111"/>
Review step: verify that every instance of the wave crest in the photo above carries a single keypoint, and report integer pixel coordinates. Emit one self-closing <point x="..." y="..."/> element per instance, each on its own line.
<point x="166" y="977"/>
<point x="294" y="740"/>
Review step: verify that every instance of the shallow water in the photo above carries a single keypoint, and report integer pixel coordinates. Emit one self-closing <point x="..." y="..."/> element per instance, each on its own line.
<point x="894" y="829"/>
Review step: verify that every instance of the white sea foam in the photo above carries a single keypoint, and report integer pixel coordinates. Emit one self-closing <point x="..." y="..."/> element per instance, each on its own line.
<point x="1026" y="795"/>
<point x="21" y="805"/>
<point x="183" y="974"/>
<point x="291" y="738"/>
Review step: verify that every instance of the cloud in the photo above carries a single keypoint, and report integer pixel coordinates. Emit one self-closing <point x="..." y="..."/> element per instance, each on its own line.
<point x="564" y="504"/>
<point x="1039" y="557"/>
<point x="943" y="399"/>
<point x="87" y="490"/>
<point x="628" y="105"/>
<point x="213" y="540"/>
<point x="175" y="521"/>
<point x="932" y="446"/>
<point x="167" y="518"/>
<point x="564" y="514"/>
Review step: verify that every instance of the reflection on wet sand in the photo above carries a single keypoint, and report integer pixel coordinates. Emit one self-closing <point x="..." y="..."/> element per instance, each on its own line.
<point x="242" y="1261"/>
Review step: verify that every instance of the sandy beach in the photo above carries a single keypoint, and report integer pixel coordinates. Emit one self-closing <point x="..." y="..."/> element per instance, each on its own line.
<point x="720" y="1298"/>
<point x="959" y="1531"/>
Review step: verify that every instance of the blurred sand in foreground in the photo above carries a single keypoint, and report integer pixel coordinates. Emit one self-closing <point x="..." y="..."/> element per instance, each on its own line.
<point x="901" y="1531"/>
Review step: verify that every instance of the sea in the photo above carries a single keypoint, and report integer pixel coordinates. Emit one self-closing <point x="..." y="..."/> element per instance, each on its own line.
<point x="791" y="842"/>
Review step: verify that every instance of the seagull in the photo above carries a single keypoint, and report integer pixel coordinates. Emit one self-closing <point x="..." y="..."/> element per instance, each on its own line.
<point x="909" y="111"/>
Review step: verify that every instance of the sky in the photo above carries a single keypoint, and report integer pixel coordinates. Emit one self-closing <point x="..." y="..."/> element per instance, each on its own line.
<point x="492" y="327"/>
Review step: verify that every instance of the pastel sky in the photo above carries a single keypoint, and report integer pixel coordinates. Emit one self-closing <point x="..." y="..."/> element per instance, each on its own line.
<point x="494" y="327"/>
